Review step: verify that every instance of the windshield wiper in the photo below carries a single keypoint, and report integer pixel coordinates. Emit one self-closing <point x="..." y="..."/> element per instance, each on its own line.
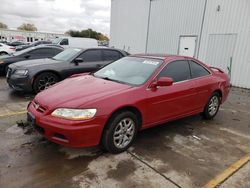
<point x="110" y="79"/>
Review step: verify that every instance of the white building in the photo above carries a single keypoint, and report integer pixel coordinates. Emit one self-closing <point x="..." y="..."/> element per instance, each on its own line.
<point x="214" y="31"/>
<point x="26" y="36"/>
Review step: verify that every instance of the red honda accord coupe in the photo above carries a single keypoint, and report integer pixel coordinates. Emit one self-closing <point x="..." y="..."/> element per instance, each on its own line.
<point x="110" y="106"/>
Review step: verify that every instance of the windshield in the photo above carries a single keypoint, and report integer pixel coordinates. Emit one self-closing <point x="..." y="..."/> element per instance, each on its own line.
<point x="56" y="41"/>
<point x="130" y="70"/>
<point x="67" y="55"/>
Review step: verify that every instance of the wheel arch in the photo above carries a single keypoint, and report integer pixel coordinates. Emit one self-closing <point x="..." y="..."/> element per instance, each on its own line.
<point x="130" y="108"/>
<point x="41" y="72"/>
<point x="218" y="91"/>
<point x="45" y="71"/>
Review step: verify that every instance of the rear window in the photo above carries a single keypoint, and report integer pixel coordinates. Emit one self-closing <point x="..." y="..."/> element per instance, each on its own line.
<point x="197" y="70"/>
<point x="111" y="55"/>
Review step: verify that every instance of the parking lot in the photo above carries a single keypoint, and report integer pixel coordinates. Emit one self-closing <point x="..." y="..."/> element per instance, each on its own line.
<point x="186" y="153"/>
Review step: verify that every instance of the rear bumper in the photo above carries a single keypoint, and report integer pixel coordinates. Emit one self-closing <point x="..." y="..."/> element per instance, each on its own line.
<point x="66" y="132"/>
<point x="225" y="93"/>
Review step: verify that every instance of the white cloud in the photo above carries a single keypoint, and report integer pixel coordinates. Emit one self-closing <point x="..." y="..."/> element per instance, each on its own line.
<point x="57" y="15"/>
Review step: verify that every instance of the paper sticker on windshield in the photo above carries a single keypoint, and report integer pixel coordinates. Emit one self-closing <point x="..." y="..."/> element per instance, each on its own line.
<point x="150" y="62"/>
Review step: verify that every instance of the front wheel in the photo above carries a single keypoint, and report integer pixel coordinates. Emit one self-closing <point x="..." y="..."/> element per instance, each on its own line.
<point x="212" y="107"/>
<point x="44" y="80"/>
<point x="120" y="132"/>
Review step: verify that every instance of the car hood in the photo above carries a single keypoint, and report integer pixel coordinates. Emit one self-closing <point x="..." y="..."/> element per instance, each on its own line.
<point x="33" y="63"/>
<point x="78" y="91"/>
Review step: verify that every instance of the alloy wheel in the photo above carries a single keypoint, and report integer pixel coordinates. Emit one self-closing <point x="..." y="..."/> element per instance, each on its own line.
<point x="213" y="105"/>
<point x="46" y="81"/>
<point x="124" y="133"/>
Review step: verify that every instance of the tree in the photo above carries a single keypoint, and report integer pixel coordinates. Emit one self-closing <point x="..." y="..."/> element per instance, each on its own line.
<point x="88" y="33"/>
<point x="3" y="26"/>
<point x="27" y="27"/>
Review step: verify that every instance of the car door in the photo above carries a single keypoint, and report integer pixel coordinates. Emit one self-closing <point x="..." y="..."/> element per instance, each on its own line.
<point x="91" y="61"/>
<point x="172" y="101"/>
<point x="203" y="82"/>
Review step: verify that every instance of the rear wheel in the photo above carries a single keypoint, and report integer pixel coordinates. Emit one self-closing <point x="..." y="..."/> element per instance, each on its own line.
<point x="120" y="132"/>
<point x="212" y="107"/>
<point x="44" y="80"/>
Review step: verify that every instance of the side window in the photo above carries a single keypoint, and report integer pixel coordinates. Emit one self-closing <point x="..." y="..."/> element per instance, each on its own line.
<point x="42" y="52"/>
<point x="197" y="70"/>
<point x="91" y="55"/>
<point x="111" y="55"/>
<point x="178" y="70"/>
<point x="33" y="52"/>
<point x="64" y="42"/>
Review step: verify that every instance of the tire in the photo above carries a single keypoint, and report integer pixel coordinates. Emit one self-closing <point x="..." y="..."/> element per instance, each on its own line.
<point x="212" y="106"/>
<point x="44" y="80"/>
<point x="3" y="53"/>
<point x="120" y="132"/>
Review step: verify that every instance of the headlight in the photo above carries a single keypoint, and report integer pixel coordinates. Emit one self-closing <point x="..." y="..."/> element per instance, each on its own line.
<point x="74" y="114"/>
<point x="21" y="72"/>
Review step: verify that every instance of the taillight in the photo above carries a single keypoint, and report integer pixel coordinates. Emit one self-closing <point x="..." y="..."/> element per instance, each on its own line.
<point x="12" y="48"/>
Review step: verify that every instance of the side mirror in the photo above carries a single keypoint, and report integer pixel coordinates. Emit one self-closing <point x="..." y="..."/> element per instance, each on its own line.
<point x="27" y="56"/>
<point x="163" y="81"/>
<point x="78" y="60"/>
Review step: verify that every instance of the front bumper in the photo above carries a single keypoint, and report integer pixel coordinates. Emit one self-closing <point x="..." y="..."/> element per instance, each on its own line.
<point x="20" y="83"/>
<point x="66" y="132"/>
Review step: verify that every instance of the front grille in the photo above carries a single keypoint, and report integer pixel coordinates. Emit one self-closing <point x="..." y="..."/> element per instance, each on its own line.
<point x="38" y="107"/>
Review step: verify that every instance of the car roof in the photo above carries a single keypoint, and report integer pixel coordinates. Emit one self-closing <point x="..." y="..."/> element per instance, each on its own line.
<point x="98" y="48"/>
<point x="45" y="46"/>
<point x="159" y="56"/>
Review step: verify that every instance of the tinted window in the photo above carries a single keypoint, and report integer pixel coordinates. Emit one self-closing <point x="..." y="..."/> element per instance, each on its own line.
<point x="91" y="55"/>
<point x="64" y="42"/>
<point x="178" y="70"/>
<point x="111" y="55"/>
<point x="197" y="70"/>
<point x="67" y="55"/>
<point x="56" y="51"/>
<point x="42" y="52"/>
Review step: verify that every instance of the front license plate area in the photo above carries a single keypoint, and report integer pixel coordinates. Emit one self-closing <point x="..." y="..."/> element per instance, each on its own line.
<point x="31" y="119"/>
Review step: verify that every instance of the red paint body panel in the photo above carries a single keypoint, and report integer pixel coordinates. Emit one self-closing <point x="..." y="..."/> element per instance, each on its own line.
<point x="155" y="105"/>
